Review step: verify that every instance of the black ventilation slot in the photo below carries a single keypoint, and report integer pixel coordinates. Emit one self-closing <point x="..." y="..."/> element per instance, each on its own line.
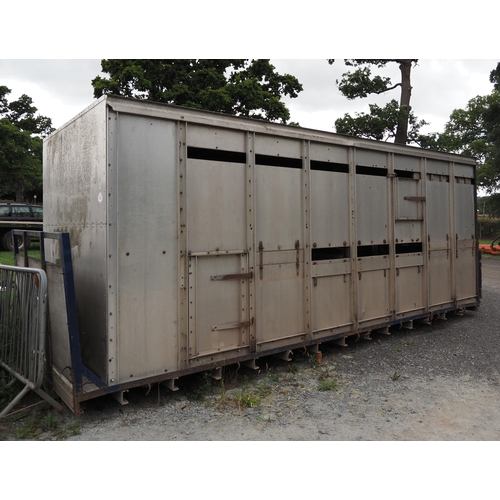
<point x="327" y="166"/>
<point x="330" y="253"/>
<point x="407" y="174"/>
<point x="408" y="248"/>
<point x="361" y="170"/>
<point x="216" y="155"/>
<point x="372" y="250"/>
<point x="278" y="161"/>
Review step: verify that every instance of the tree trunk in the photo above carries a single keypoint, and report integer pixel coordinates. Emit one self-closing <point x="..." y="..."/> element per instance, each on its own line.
<point x="404" y="104"/>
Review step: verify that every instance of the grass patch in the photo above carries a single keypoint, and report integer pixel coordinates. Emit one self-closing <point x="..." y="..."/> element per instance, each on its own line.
<point x="7" y="258"/>
<point x="328" y="384"/>
<point x="247" y="399"/>
<point x="201" y="388"/>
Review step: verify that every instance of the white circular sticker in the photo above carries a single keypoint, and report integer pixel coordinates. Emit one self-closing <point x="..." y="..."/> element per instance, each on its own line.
<point x="99" y="197"/>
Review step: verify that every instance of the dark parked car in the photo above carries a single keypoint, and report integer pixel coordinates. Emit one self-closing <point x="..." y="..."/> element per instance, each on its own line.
<point x="18" y="216"/>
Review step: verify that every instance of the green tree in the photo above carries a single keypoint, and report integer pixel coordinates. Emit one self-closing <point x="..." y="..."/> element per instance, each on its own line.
<point x="21" y="134"/>
<point x="474" y="131"/>
<point x="233" y="86"/>
<point x="394" y="120"/>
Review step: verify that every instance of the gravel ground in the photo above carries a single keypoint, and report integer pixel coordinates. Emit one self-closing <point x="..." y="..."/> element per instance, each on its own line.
<point x="438" y="382"/>
<point x="432" y="383"/>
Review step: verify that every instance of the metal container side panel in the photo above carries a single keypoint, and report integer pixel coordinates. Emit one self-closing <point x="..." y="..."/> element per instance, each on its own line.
<point x="222" y="139"/>
<point x="371" y="158"/>
<point x="406" y="163"/>
<point x="372" y="210"/>
<point x="216" y="211"/>
<point x="436" y="167"/>
<point x="465" y="219"/>
<point x="278" y="207"/>
<point x="330" y="219"/>
<point x="75" y="191"/>
<point x="438" y="214"/>
<point x="146" y="247"/>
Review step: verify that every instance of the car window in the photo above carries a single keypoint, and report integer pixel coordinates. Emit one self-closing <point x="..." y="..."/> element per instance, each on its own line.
<point x="4" y="211"/>
<point x="21" y="212"/>
<point x="37" y="212"/>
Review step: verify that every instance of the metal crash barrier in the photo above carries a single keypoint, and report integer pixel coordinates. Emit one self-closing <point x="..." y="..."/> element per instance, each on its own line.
<point x="23" y="319"/>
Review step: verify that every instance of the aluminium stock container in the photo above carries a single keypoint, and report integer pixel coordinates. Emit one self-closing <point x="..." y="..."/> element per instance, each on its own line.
<point x="200" y="239"/>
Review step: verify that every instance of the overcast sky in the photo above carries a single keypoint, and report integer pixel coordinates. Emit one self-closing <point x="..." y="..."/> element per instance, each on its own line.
<point x="61" y="88"/>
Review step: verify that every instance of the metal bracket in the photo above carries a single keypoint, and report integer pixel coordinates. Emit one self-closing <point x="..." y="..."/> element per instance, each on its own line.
<point x="297" y="262"/>
<point x="414" y="198"/>
<point x="241" y="276"/>
<point x="230" y="326"/>
<point x="261" y="261"/>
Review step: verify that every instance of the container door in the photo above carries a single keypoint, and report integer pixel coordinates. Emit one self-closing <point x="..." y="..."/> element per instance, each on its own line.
<point x="218" y="267"/>
<point x="409" y="212"/>
<point x="439" y="236"/>
<point x="373" y="264"/>
<point x="279" y="279"/>
<point x="219" y="318"/>
<point x="465" y="239"/>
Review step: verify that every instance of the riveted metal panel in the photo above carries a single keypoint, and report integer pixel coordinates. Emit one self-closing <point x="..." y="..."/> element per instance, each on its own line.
<point x="278" y="207"/>
<point x="146" y="252"/>
<point x="407" y="163"/>
<point x="409" y="290"/>
<point x="279" y="288"/>
<point x="277" y="146"/>
<point x="466" y="270"/>
<point x="370" y="158"/>
<point x="374" y="289"/>
<point x="409" y="199"/>
<point x="331" y="302"/>
<point x="465" y="219"/>
<point x="467" y="171"/>
<point x="216" y="210"/>
<point x="208" y="137"/>
<point x="75" y="197"/>
<point x="330" y="219"/>
<point x="218" y="304"/>
<point x="372" y="211"/>
<point x="436" y="167"/>
<point x="439" y="274"/>
<point x="329" y="153"/>
<point x="438" y="214"/>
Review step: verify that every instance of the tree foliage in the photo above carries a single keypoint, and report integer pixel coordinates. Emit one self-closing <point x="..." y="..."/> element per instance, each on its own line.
<point x="233" y="86"/>
<point x="474" y="131"/>
<point x="21" y="134"/>
<point x="393" y="121"/>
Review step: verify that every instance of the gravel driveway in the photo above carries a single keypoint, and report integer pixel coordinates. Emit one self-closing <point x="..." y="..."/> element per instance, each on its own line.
<point x="438" y="382"/>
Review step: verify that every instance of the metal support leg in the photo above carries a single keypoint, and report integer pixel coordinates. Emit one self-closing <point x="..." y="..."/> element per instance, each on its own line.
<point x="285" y="355"/>
<point x="170" y="384"/>
<point x="251" y="364"/>
<point x="119" y="397"/>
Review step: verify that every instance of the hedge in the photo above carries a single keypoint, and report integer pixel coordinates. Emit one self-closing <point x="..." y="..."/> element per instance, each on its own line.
<point x="489" y="228"/>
